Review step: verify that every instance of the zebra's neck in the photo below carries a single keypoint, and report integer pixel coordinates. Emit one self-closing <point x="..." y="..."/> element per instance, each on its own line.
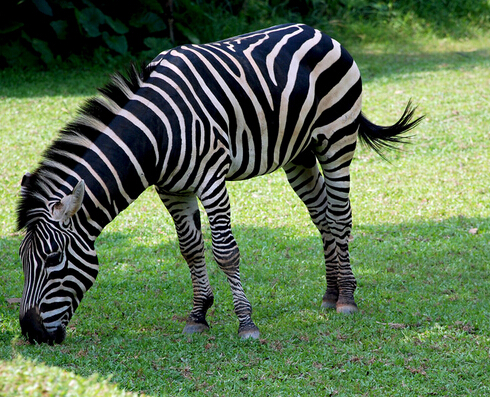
<point x="114" y="152"/>
<point x="119" y="165"/>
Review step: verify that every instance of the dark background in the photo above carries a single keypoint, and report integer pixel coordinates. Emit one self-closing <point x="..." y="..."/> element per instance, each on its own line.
<point x="45" y="33"/>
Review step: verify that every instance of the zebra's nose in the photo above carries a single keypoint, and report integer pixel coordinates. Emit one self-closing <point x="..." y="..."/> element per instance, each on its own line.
<point x="34" y="330"/>
<point x="32" y="327"/>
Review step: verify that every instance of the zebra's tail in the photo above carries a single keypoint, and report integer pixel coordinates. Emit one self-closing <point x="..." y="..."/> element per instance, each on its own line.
<point x="381" y="138"/>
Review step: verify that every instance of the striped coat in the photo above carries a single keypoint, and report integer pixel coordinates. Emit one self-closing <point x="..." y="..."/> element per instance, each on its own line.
<point x="196" y="117"/>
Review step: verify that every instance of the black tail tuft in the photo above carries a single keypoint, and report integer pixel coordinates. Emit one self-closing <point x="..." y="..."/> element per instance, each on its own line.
<point x="381" y="138"/>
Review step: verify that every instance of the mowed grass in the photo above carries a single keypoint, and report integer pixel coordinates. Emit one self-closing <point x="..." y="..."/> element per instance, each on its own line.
<point x="420" y="253"/>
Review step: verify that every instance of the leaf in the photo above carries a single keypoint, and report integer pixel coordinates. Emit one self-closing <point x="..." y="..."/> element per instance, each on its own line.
<point x="116" y="43"/>
<point x="60" y="28"/>
<point x="13" y="301"/>
<point x="17" y="53"/>
<point x="43" y="48"/>
<point x="393" y="325"/>
<point x="10" y="26"/>
<point x="44" y="7"/>
<point x="158" y="43"/>
<point x="65" y="4"/>
<point x="151" y="21"/>
<point x="188" y="33"/>
<point x="88" y="3"/>
<point x="153" y="5"/>
<point x="91" y="18"/>
<point x="397" y="325"/>
<point x="117" y="25"/>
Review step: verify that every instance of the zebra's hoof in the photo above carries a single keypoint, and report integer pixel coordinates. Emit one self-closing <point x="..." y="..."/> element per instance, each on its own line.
<point x="195" y="328"/>
<point x="329" y="304"/>
<point x="249" y="332"/>
<point x="347" y="308"/>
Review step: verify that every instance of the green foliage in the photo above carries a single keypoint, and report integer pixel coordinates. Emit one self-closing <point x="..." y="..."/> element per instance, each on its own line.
<point x="54" y="31"/>
<point x="60" y="30"/>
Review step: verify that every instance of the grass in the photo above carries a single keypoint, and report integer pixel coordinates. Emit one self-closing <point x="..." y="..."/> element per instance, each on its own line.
<point x="22" y="377"/>
<point x="420" y="253"/>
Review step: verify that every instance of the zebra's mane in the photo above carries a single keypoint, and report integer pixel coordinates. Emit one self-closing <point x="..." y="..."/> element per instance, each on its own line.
<point x="92" y="116"/>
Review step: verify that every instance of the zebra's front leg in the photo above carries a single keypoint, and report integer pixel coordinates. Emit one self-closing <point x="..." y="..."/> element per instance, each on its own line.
<point x="346" y="281"/>
<point x="185" y="213"/>
<point x="226" y="253"/>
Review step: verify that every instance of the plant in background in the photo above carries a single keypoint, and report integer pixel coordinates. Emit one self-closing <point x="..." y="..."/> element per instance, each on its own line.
<point x="52" y="31"/>
<point x="55" y="30"/>
<point x="49" y="31"/>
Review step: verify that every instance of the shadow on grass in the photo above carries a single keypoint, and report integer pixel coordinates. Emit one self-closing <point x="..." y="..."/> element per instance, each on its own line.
<point x="392" y="63"/>
<point x="451" y="253"/>
<point x="16" y="83"/>
<point x="414" y="278"/>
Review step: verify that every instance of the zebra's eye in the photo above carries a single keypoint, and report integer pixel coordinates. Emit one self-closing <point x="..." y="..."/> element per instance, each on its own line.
<point x="54" y="259"/>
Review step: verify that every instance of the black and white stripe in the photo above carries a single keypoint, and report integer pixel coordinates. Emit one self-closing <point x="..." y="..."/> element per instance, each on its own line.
<point x="195" y="117"/>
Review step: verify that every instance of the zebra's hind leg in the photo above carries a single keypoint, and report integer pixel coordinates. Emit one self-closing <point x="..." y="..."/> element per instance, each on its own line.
<point x="335" y="155"/>
<point x="185" y="213"/>
<point x="308" y="183"/>
<point x="225" y="250"/>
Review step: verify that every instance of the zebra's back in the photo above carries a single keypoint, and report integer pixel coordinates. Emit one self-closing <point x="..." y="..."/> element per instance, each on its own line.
<point x="261" y="95"/>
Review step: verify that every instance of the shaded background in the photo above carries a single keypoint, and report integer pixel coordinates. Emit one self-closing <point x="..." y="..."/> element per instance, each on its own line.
<point x="45" y="33"/>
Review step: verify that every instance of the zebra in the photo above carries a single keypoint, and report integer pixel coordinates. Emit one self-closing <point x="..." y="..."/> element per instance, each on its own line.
<point x="194" y="118"/>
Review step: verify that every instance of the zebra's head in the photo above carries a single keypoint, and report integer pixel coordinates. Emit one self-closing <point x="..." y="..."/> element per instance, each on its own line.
<point x="59" y="264"/>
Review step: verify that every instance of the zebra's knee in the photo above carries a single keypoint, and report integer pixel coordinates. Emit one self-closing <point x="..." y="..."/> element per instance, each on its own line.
<point x="193" y="257"/>
<point x="229" y="260"/>
<point x="192" y="247"/>
<point x="202" y="302"/>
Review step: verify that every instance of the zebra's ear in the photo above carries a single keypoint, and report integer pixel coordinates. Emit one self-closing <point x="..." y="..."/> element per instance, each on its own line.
<point x="25" y="180"/>
<point x="25" y="183"/>
<point x="70" y="204"/>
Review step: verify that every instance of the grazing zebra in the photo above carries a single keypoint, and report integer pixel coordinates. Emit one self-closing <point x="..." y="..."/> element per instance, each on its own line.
<point x="196" y="117"/>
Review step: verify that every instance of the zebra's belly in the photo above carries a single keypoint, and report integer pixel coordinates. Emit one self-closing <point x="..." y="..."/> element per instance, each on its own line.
<point x="248" y="162"/>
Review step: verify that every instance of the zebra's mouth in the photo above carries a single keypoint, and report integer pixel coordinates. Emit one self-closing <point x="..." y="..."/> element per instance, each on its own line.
<point x="34" y="330"/>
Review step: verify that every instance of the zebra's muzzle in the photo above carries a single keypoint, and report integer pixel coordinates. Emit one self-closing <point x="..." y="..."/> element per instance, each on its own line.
<point x="34" y="330"/>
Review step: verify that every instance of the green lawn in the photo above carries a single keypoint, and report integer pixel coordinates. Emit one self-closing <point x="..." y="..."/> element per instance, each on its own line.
<point x="421" y="254"/>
